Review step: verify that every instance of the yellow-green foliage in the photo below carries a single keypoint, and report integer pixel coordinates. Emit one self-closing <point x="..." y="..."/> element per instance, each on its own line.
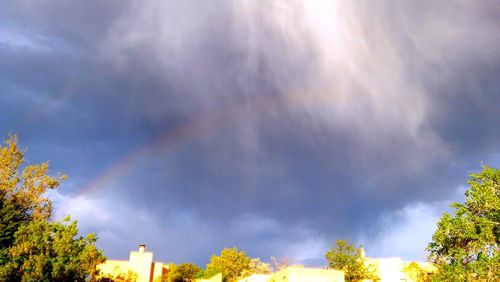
<point x="129" y="277"/>
<point x="25" y="188"/>
<point x="417" y="273"/>
<point x="183" y="272"/>
<point x="230" y="263"/>
<point x="344" y="256"/>
<point x="258" y="267"/>
<point x="33" y="248"/>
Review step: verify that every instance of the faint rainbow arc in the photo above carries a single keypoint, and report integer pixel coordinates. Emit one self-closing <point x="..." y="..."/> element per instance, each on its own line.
<point x="194" y="127"/>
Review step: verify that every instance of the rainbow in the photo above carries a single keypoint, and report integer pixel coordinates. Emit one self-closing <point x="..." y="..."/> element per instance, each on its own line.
<point x="196" y="127"/>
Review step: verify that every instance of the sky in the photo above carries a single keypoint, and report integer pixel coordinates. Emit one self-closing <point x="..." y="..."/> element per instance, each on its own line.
<point x="274" y="126"/>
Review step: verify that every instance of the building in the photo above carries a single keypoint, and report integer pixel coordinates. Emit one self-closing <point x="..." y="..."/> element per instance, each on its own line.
<point x="395" y="269"/>
<point x="256" y="278"/>
<point x="298" y="274"/>
<point x="140" y="267"/>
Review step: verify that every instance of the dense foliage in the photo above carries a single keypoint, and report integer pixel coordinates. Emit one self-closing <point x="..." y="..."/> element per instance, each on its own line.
<point x="48" y="251"/>
<point x="231" y="263"/>
<point x="184" y="272"/>
<point x="256" y="266"/>
<point x="466" y="245"/>
<point x="130" y="276"/>
<point x="417" y="273"/>
<point x="31" y="247"/>
<point x="350" y="259"/>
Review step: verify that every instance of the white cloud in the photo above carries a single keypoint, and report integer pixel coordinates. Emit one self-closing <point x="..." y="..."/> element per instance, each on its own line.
<point x="308" y="250"/>
<point x="406" y="232"/>
<point x="179" y="235"/>
<point x="18" y="39"/>
<point x="81" y="208"/>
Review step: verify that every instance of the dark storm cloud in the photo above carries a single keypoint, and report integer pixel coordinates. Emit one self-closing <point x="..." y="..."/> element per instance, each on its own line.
<point x="314" y="118"/>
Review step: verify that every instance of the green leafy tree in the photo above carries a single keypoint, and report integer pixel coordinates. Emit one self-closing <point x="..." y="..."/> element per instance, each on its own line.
<point x="11" y="218"/>
<point x="31" y="247"/>
<point x="51" y="251"/>
<point x="344" y="256"/>
<point x="184" y="272"/>
<point x="230" y="263"/>
<point x="465" y="245"/>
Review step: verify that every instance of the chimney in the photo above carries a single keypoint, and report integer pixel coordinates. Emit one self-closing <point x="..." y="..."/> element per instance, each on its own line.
<point x="142" y="247"/>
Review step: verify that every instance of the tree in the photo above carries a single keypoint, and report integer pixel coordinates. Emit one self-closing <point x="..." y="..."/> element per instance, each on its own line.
<point x="351" y="260"/>
<point x="21" y="194"/>
<point x="33" y="248"/>
<point x="184" y="272"/>
<point x="129" y="277"/>
<point x="281" y="264"/>
<point x="417" y="273"/>
<point x="230" y="263"/>
<point x="465" y="245"/>
<point x="48" y="251"/>
<point x="256" y="266"/>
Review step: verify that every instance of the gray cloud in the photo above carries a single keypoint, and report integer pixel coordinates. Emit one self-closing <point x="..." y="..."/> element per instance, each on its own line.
<point x="318" y="117"/>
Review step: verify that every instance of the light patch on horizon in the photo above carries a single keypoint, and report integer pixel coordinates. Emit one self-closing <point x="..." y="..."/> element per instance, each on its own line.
<point x="406" y="232"/>
<point x="408" y="237"/>
<point x="182" y="236"/>
<point x="309" y="252"/>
